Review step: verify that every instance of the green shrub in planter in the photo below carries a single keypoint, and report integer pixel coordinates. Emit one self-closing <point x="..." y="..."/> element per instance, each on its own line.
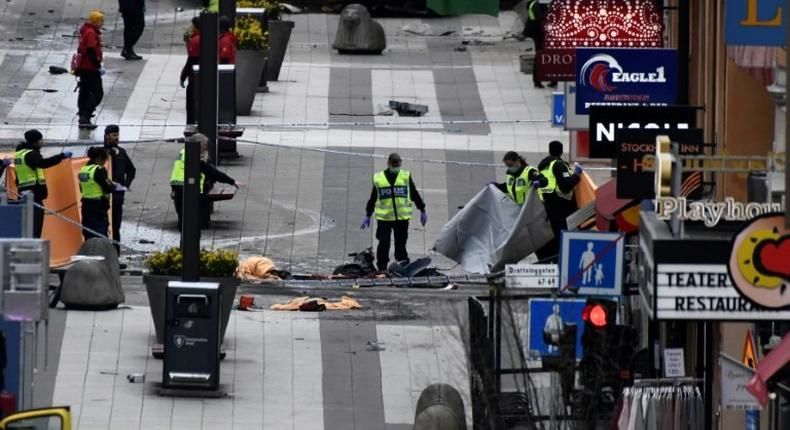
<point x="213" y="264"/>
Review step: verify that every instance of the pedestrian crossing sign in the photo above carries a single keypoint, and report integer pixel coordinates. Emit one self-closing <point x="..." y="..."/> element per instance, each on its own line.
<point x="591" y="263"/>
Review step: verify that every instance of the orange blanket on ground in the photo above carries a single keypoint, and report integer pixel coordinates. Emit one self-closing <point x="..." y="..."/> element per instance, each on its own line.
<point x="257" y="269"/>
<point x="345" y="303"/>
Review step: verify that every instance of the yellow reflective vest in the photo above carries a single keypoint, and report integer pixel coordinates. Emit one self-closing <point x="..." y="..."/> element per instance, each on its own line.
<point x="394" y="200"/>
<point x="90" y="189"/>
<point x="522" y="184"/>
<point x="177" y="174"/>
<point x="27" y="176"/>
<point x="552" y="187"/>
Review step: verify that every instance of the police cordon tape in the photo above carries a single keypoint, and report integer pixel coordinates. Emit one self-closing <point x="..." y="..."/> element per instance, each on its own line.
<point x="410" y="123"/>
<point x="84" y="143"/>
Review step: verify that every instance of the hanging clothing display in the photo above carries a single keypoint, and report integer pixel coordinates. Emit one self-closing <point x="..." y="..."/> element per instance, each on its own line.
<point x="658" y="406"/>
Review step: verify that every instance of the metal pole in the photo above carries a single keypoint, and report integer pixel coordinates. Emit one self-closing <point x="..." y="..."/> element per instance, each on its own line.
<point x="190" y="222"/>
<point x="207" y="85"/>
<point x="787" y="125"/>
<point x="710" y="374"/>
<point x="684" y="31"/>
<point x="228" y="8"/>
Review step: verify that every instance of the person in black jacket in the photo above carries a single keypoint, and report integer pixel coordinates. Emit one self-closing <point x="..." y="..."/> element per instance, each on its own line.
<point x="123" y="173"/>
<point x="96" y="188"/>
<point x="30" y="164"/>
<point x="533" y="29"/>
<point x="133" y="13"/>
<point x="558" y="199"/>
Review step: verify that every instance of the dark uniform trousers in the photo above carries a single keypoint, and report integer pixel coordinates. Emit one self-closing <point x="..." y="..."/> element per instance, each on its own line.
<point x="38" y="212"/>
<point x="384" y="229"/>
<point x="133" y="25"/>
<point x="91" y="92"/>
<point x="117" y="217"/>
<point x="177" y="194"/>
<point x="94" y="217"/>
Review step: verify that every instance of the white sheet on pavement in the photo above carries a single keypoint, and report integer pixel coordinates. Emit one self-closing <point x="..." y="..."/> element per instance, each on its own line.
<point x="491" y="231"/>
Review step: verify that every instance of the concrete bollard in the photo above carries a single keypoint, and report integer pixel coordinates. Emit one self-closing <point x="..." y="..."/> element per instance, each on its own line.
<point x="440" y="407"/>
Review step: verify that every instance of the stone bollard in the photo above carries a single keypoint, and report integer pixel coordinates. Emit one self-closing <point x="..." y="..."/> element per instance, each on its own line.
<point x="357" y="33"/>
<point x="93" y="284"/>
<point x="440" y="407"/>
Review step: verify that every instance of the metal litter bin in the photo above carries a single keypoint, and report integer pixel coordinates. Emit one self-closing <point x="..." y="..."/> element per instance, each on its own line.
<point x="192" y="342"/>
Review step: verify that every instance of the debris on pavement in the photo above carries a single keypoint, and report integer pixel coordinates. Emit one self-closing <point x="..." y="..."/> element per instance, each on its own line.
<point x="408" y="109"/>
<point x="375" y="346"/>
<point x="57" y="70"/>
<point x="317" y="304"/>
<point x="422" y="29"/>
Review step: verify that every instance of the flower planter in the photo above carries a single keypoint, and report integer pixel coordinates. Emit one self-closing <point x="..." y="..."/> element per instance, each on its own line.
<point x="279" y="35"/>
<point x="249" y="67"/>
<point x="156" y="289"/>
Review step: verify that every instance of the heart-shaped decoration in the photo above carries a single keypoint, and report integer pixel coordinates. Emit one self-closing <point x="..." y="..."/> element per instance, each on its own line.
<point x="772" y="257"/>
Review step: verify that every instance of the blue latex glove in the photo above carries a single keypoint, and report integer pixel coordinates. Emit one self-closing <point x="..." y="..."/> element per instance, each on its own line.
<point x="536" y="184"/>
<point x="578" y="169"/>
<point x="67" y="154"/>
<point x="423" y="218"/>
<point x="102" y="71"/>
<point x="491" y="183"/>
<point x="365" y="223"/>
<point x="6" y="162"/>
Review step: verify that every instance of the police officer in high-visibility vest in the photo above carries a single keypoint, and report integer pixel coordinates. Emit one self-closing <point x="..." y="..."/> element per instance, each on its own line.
<point x="30" y="165"/>
<point x="207" y="171"/>
<point x="533" y="29"/>
<point x="556" y="186"/>
<point x="518" y="177"/>
<point x="391" y="198"/>
<point x="96" y="189"/>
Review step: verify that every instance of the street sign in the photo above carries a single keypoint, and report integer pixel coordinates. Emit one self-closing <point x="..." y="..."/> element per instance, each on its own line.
<point x="749" y="357"/>
<point x="607" y="122"/>
<point x="572" y="120"/>
<point x="558" y="109"/>
<point x="734" y="377"/>
<point x="591" y="263"/>
<point x="531" y="276"/>
<point x="547" y="317"/>
<point x="625" y="77"/>
<point x="674" y="363"/>
<point x="755" y="22"/>
<point x="633" y="181"/>
<point x="704" y="292"/>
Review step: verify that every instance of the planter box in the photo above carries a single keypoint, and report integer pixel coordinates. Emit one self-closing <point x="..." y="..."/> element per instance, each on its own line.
<point x="156" y="287"/>
<point x="249" y="67"/>
<point x="279" y="35"/>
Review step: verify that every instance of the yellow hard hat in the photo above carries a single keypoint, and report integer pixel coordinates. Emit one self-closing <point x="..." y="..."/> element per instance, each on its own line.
<point x="95" y="17"/>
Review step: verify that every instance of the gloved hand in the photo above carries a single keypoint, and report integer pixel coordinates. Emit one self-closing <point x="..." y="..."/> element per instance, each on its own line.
<point x="182" y="84"/>
<point x="67" y="154"/>
<point x="102" y="71"/>
<point x="577" y="169"/>
<point x="7" y="162"/>
<point x="423" y="218"/>
<point x="536" y="184"/>
<point x="365" y="223"/>
<point x="491" y="183"/>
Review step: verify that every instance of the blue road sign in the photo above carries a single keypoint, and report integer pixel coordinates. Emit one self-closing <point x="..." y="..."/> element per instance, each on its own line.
<point x="755" y="22"/>
<point x="547" y="317"/>
<point x="558" y="109"/>
<point x="591" y="263"/>
<point x="625" y="77"/>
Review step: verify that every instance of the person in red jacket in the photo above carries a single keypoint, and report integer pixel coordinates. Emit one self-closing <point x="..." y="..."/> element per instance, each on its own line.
<point x="89" y="68"/>
<point x="193" y="59"/>
<point x="227" y="42"/>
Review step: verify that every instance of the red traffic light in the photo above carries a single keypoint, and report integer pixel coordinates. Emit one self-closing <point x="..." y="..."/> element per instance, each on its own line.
<point x="595" y="314"/>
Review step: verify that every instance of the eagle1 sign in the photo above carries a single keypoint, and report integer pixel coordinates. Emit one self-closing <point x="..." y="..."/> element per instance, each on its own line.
<point x="625" y="77"/>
